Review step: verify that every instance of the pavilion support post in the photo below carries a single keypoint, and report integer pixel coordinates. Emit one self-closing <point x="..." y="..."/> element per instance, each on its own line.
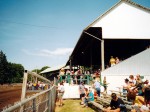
<point x="102" y="55"/>
<point x="70" y="64"/>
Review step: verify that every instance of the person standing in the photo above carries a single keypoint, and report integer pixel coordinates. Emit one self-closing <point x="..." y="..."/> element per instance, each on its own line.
<point x="112" y="61"/>
<point x="97" y="86"/>
<point x="117" y="60"/>
<point x="61" y="91"/>
<point x="82" y="92"/>
<point x="105" y="84"/>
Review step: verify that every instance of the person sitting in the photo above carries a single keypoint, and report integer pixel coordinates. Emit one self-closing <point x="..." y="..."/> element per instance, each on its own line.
<point x="116" y="104"/>
<point x="89" y="96"/>
<point x="144" y="102"/>
<point x="125" y="86"/>
<point x="132" y="80"/>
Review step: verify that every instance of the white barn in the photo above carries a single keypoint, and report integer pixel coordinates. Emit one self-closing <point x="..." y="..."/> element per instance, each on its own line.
<point x="126" y="20"/>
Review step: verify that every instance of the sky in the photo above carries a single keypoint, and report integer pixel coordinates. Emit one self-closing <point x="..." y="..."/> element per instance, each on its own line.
<point x="37" y="33"/>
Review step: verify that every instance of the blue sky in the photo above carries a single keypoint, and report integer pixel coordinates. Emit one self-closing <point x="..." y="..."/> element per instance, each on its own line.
<point x="37" y="33"/>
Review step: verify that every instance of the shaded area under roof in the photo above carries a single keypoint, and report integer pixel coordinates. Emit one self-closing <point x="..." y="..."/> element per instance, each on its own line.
<point x="87" y="51"/>
<point x="137" y="64"/>
<point x="84" y="51"/>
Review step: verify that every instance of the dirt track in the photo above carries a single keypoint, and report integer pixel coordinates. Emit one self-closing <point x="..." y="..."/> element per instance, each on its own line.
<point x="9" y="95"/>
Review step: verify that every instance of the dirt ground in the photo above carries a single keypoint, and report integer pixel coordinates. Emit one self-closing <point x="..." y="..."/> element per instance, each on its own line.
<point x="9" y="94"/>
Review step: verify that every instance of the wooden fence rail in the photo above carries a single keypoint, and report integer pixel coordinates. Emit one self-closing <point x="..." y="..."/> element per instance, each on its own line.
<point x="40" y="102"/>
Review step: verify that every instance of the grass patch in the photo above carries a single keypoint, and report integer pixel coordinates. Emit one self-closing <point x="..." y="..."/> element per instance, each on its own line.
<point x="72" y="106"/>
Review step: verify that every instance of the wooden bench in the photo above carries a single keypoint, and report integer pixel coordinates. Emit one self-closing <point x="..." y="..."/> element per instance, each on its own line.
<point x="114" y="91"/>
<point x="106" y="101"/>
<point x="97" y="105"/>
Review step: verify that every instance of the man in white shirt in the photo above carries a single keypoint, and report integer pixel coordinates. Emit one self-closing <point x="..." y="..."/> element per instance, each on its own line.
<point x="61" y="91"/>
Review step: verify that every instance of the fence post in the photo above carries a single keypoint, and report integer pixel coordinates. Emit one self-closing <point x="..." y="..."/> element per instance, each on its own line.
<point x="52" y="101"/>
<point x="24" y="87"/>
<point x="49" y="101"/>
<point x="34" y="105"/>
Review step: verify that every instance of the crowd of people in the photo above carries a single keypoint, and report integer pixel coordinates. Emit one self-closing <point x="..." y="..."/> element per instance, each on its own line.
<point x="36" y="86"/>
<point x="138" y="92"/>
<point x="135" y="88"/>
<point x="77" y="76"/>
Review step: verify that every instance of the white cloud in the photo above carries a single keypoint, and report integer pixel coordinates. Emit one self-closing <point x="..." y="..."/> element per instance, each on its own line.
<point x="48" y="53"/>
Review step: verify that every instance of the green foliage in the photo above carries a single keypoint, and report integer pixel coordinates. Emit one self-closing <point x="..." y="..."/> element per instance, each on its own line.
<point x="40" y="70"/>
<point x="3" y="67"/>
<point x="15" y="72"/>
<point x="10" y="72"/>
<point x="44" y="68"/>
<point x="36" y="71"/>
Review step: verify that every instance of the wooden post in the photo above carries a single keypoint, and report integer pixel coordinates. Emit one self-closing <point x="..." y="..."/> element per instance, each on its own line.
<point x="34" y="105"/>
<point x="53" y="99"/>
<point x="49" y="101"/>
<point x="24" y="87"/>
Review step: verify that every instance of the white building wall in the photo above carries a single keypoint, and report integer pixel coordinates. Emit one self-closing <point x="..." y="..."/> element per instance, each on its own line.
<point x="125" y="21"/>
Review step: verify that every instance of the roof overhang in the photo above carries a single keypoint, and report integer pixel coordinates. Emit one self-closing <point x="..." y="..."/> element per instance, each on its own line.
<point x="84" y="51"/>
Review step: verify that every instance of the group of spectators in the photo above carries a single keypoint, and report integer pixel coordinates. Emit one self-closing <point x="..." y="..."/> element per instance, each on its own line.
<point x="87" y="94"/>
<point x="36" y="86"/>
<point x="72" y="77"/>
<point x="113" y="61"/>
<point x="138" y="92"/>
<point x="76" y="77"/>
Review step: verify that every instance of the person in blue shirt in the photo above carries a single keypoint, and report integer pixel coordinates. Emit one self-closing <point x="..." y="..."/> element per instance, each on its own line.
<point x="88" y="97"/>
<point x="97" y="86"/>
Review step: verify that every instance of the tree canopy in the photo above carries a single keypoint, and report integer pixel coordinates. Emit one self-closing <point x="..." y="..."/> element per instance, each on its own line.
<point x="10" y="72"/>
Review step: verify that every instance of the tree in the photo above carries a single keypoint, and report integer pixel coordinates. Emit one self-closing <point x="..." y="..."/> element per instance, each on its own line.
<point x="15" y="73"/>
<point x="44" y="68"/>
<point x="3" y="67"/>
<point x="40" y="70"/>
<point x="10" y="72"/>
